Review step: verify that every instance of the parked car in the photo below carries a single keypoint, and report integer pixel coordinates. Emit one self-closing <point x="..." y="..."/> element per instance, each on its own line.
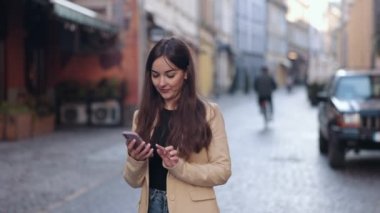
<point x="349" y="114"/>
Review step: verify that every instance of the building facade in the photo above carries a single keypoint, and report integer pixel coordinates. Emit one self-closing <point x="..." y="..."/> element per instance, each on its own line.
<point x="363" y="34"/>
<point x="277" y="45"/>
<point x="224" y="53"/>
<point x="324" y="43"/>
<point x="63" y="60"/>
<point x="178" y="18"/>
<point x="298" y="38"/>
<point x="207" y="47"/>
<point x="250" y="41"/>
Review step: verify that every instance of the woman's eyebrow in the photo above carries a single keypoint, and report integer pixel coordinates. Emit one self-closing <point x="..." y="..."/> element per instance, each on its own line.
<point x="164" y="71"/>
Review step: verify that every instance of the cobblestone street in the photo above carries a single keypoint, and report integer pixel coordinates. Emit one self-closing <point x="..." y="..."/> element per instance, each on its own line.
<point x="274" y="170"/>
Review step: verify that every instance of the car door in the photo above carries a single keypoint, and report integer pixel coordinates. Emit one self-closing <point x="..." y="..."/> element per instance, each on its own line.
<point x="325" y="108"/>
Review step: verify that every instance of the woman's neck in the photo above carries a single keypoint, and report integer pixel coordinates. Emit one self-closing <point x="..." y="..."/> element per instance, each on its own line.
<point x="170" y="105"/>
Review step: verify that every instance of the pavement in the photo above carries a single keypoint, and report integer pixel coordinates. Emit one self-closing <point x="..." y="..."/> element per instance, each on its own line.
<point x="274" y="169"/>
<point x="42" y="174"/>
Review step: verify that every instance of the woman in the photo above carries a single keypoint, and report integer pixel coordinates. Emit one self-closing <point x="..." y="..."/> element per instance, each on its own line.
<point x="185" y="153"/>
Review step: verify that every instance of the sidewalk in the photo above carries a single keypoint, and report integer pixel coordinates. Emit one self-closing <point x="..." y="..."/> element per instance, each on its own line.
<point x="43" y="174"/>
<point x="39" y="174"/>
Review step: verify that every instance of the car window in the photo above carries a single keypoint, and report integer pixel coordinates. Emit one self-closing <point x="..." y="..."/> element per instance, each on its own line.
<point x="353" y="87"/>
<point x="358" y="87"/>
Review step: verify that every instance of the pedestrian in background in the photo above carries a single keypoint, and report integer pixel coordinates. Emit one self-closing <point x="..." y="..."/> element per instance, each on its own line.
<point x="264" y="86"/>
<point x="184" y="152"/>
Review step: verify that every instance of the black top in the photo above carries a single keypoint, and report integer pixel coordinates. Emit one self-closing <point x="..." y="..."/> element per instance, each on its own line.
<point x="157" y="173"/>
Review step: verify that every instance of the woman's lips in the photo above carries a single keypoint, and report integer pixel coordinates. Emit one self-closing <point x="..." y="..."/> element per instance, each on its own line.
<point x="164" y="90"/>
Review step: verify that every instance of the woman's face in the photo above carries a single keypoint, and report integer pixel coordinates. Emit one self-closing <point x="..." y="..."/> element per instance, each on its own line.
<point x="168" y="80"/>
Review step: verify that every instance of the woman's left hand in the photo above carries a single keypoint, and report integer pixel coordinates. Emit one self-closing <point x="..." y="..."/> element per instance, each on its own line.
<point x="169" y="155"/>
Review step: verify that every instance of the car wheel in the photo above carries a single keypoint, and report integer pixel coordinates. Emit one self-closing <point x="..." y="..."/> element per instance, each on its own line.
<point x="336" y="152"/>
<point x="322" y="144"/>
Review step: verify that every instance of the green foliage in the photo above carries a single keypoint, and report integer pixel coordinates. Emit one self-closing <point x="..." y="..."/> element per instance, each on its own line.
<point x="42" y="106"/>
<point x="71" y="91"/>
<point x="7" y="108"/>
<point x="107" y="88"/>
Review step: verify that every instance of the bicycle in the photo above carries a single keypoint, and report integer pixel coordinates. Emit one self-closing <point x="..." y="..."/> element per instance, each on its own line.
<point x="266" y="111"/>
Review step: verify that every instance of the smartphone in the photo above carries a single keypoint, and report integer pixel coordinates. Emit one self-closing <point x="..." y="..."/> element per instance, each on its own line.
<point x="129" y="135"/>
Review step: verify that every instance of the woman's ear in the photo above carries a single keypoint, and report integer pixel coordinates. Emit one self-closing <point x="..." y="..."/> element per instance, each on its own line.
<point x="185" y="77"/>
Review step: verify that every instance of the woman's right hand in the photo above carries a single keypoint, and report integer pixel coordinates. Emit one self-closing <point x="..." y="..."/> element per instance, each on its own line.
<point x="141" y="152"/>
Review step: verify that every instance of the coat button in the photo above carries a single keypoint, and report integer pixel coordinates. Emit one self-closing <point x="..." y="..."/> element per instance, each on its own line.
<point x="171" y="197"/>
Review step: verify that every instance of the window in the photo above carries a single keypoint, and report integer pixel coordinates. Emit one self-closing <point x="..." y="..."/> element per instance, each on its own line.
<point x="358" y="87"/>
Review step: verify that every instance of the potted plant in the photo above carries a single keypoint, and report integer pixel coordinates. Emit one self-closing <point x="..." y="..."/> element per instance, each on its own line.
<point x="43" y="116"/>
<point x="18" y="121"/>
<point x="2" y="121"/>
<point x="107" y="89"/>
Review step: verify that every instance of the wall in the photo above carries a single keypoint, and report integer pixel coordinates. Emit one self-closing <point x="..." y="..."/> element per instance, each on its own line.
<point x="14" y="50"/>
<point x="277" y="40"/>
<point x="360" y="32"/>
<point x="250" y="41"/>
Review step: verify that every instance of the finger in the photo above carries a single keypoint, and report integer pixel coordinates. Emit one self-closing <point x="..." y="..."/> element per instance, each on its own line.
<point x="174" y="159"/>
<point x="169" y="148"/>
<point x="171" y="162"/>
<point x="149" y="154"/>
<point x="140" y="147"/>
<point x="131" y="144"/>
<point x="162" y="149"/>
<point x="132" y="149"/>
<point x="144" y="151"/>
<point x="146" y="148"/>
<point x="173" y="153"/>
<point x="162" y="154"/>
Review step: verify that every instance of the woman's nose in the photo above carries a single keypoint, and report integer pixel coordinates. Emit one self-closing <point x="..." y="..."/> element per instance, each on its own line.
<point x="162" y="81"/>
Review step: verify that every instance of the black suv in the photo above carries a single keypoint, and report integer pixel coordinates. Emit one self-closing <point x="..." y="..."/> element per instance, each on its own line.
<point x="349" y="114"/>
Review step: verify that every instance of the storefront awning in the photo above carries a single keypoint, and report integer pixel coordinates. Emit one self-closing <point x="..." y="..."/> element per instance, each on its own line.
<point x="81" y="15"/>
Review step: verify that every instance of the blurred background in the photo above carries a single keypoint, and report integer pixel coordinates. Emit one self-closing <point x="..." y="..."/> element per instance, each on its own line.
<point x="81" y="62"/>
<point x="70" y="68"/>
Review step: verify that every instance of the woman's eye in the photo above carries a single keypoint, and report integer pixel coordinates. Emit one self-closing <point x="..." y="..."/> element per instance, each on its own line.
<point x="154" y="75"/>
<point x="170" y="75"/>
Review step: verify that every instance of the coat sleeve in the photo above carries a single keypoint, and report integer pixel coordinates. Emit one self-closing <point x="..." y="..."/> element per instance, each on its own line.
<point x="134" y="171"/>
<point x="218" y="168"/>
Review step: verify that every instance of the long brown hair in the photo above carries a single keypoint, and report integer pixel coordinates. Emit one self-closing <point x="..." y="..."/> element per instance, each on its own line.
<point x="189" y="130"/>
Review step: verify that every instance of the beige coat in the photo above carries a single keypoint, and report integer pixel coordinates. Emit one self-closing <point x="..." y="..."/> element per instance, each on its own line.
<point x="190" y="183"/>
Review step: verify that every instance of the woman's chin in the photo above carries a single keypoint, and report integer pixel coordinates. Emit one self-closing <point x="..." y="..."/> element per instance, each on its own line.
<point x="166" y="96"/>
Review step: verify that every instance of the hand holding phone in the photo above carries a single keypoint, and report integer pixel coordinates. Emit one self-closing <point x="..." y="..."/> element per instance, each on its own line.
<point x="140" y="154"/>
<point x="129" y="135"/>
